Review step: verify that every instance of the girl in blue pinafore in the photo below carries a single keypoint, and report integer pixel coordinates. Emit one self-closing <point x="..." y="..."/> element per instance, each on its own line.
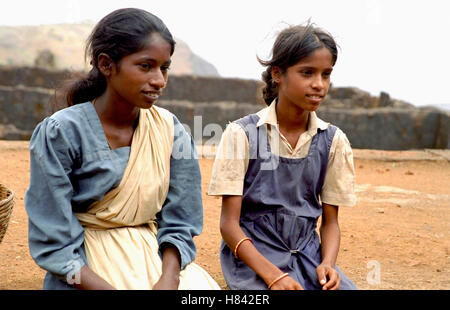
<point x="291" y="168"/>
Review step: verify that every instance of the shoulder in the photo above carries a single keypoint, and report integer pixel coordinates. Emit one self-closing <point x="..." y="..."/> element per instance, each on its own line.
<point x="72" y="114"/>
<point x="234" y="130"/>
<point x="171" y="120"/>
<point x="340" y="142"/>
<point x="251" y="118"/>
<point x="62" y="128"/>
<point x="71" y="122"/>
<point x="341" y="136"/>
<point x="64" y="119"/>
<point x="165" y="114"/>
<point x="234" y="139"/>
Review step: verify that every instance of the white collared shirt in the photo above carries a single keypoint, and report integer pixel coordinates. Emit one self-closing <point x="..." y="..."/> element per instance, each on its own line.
<point x="232" y="157"/>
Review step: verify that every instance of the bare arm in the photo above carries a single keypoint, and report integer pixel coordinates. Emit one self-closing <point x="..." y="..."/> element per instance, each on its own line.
<point x="330" y="238"/>
<point x="171" y="266"/>
<point x="232" y="234"/>
<point x="89" y="280"/>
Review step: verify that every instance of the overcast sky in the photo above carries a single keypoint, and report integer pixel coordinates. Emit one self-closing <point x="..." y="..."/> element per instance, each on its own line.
<point x="401" y="47"/>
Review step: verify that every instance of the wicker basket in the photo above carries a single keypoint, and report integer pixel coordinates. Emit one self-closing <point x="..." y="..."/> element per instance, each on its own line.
<point x="6" y="207"/>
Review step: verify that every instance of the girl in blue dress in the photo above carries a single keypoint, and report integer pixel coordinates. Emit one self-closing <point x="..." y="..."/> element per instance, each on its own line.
<point x="111" y="203"/>
<point x="281" y="169"/>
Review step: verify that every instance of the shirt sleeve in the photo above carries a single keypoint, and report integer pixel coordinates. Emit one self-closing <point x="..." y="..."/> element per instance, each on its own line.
<point x="231" y="162"/>
<point x="181" y="216"/>
<point x="338" y="188"/>
<point x="54" y="234"/>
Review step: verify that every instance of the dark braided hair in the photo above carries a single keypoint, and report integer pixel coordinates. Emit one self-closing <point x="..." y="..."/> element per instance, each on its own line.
<point x="291" y="46"/>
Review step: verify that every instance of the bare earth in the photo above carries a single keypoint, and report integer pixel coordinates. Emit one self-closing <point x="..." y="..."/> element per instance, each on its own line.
<point x="398" y="230"/>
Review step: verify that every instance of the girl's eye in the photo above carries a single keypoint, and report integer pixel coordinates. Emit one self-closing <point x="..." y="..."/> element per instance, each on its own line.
<point x="165" y="68"/>
<point x="306" y="72"/>
<point x="326" y="74"/>
<point x="144" y="66"/>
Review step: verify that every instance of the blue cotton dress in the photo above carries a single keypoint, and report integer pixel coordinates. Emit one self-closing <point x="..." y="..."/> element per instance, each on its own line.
<point x="280" y="209"/>
<point x="72" y="166"/>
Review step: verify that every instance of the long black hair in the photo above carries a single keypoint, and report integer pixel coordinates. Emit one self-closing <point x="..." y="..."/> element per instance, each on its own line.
<point x="291" y="46"/>
<point x="118" y="34"/>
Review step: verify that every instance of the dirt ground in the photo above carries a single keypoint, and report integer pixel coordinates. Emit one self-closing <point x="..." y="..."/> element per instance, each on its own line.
<point x="395" y="238"/>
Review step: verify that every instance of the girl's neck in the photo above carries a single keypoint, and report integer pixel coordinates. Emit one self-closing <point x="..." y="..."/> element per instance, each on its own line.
<point x="115" y="112"/>
<point x="291" y="117"/>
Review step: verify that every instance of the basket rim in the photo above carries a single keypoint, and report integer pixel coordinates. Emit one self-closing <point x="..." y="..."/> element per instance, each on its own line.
<point x="8" y="197"/>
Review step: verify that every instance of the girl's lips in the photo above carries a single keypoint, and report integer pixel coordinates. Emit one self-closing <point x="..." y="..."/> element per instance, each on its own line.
<point x="314" y="98"/>
<point x="151" y="95"/>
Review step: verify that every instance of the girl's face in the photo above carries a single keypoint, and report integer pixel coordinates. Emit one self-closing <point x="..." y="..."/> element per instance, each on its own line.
<point x="306" y="83"/>
<point x="138" y="79"/>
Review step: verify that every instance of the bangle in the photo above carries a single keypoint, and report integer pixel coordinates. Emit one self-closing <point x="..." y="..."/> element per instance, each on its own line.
<point x="238" y="244"/>
<point x="278" y="279"/>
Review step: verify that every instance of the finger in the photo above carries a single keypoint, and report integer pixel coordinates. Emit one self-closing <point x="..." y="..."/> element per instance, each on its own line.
<point x="338" y="283"/>
<point x="321" y="275"/>
<point x="329" y="285"/>
<point x="334" y="276"/>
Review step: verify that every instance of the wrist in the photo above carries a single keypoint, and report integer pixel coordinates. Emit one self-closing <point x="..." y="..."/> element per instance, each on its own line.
<point x="172" y="276"/>
<point x="269" y="277"/>
<point x="327" y="263"/>
<point x="284" y="275"/>
<point x="171" y="264"/>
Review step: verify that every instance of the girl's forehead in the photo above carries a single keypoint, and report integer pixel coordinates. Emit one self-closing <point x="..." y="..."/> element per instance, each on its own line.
<point x="154" y="38"/>
<point x="320" y="56"/>
<point x="156" y="47"/>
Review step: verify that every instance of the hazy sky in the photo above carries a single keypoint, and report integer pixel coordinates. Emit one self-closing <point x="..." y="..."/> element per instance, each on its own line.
<point x="401" y="47"/>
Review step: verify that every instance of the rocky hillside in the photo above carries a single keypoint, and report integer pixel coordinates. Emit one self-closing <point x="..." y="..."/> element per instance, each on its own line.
<point x="26" y="45"/>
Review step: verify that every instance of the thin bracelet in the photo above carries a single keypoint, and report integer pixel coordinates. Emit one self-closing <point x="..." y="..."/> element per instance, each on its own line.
<point x="238" y="244"/>
<point x="278" y="279"/>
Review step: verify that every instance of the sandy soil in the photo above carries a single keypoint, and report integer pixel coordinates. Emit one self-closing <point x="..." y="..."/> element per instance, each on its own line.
<point x="399" y="229"/>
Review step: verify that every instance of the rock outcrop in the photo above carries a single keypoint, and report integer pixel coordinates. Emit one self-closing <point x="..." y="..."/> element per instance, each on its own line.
<point x="65" y="43"/>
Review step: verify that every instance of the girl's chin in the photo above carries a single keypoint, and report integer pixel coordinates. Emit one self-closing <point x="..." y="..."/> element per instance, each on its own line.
<point x="313" y="106"/>
<point x="146" y="104"/>
<point x="309" y="107"/>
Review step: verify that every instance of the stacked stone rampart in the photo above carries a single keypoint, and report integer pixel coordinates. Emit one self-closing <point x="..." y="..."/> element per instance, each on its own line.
<point x="207" y="105"/>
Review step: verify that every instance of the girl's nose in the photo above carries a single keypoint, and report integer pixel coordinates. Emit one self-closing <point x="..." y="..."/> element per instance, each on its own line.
<point x="157" y="80"/>
<point x="318" y="82"/>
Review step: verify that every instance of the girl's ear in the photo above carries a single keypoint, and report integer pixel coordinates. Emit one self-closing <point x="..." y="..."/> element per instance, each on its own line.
<point x="105" y="64"/>
<point x="276" y="74"/>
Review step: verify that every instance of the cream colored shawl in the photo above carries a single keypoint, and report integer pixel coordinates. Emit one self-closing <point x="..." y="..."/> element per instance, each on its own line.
<point x="145" y="183"/>
<point x="120" y="231"/>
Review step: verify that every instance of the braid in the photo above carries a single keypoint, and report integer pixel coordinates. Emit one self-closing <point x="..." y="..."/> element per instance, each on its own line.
<point x="270" y="90"/>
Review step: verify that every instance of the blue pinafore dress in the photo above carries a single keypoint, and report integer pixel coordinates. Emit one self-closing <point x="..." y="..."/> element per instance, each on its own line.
<point x="280" y="209"/>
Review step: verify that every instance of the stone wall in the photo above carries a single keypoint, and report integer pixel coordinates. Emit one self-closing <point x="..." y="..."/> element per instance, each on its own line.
<point x="31" y="77"/>
<point x="181" y="87"/>
<point x="21" y="109"/>
<point x="392" y="128"/>
<point x="369" y="122"/>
